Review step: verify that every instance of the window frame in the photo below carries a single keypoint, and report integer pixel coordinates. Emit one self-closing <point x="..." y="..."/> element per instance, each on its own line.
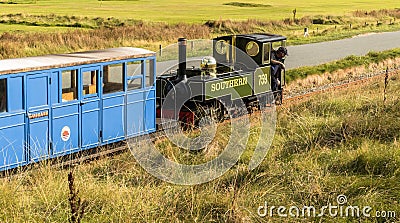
<point x="75" y="92"/>
<point x="133" y="78"/>
<point x="5" y="91"/>
<point x="149" y="72"/>
<point x="123" y="77"/>
<point x="141" y="74"/>
<point x="268" y="45"/>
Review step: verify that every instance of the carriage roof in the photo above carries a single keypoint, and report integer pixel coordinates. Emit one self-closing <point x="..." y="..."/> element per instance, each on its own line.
<point x="27" y="64"/>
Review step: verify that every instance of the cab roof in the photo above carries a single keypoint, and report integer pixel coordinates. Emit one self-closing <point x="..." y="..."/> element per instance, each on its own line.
<point x="263" y="37"/>
<point x="260" y="37"/>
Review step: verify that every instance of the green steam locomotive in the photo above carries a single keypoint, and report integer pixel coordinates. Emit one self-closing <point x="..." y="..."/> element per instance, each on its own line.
<point x="238" y="72"/>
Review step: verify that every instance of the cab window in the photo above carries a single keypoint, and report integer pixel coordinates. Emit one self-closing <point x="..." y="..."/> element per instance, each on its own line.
<point x="266" y="53"/>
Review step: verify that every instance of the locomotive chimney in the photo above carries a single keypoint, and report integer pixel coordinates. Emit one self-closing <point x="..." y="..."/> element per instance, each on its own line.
<point x="182" y="58"/>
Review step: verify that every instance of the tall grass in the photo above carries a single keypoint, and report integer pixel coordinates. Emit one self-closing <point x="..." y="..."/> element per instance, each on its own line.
<point x="146" y="36"/>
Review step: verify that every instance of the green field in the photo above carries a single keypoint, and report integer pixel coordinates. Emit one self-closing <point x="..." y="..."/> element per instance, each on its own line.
<point x="343" y="142"/>
<point x="192" y="12"/>
<point x="34" y="27"/>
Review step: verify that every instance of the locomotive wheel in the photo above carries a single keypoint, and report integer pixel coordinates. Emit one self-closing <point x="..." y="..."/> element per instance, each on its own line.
<point x="206" y="114"/>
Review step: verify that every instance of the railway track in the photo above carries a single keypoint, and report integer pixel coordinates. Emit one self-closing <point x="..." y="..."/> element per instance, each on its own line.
<point x="289" y="98"/>
<point x="292" y="98"/>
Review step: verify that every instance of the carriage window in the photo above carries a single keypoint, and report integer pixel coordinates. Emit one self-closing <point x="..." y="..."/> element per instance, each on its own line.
<point x="135" y="84"/>
<point x="134" y="68"/>
<point x="3" y="95"/>
<point x="149" y="73"/>
<point x="89" y="82"/>
<point x="69" y="90"/>
<point x="113" y="78"/>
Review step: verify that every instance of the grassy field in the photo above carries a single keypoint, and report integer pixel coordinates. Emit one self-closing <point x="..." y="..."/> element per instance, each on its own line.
<point x="77" y="33"/>
<point x="335" y="143"/>
<point x="29" y="28"/>
<point x="187" y="11"/>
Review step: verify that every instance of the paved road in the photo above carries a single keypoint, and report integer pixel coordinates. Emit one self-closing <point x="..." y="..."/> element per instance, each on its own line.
<point x="318" y="53"/>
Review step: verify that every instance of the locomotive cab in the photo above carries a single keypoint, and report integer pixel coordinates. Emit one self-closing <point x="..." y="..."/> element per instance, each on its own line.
<point x="239" y="68"/>
<point x="249" y="52"/>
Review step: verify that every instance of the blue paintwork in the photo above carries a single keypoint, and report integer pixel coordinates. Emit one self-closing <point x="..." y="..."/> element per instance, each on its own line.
<point x="150" y="119"/>
<point x="31" y="128"/>
<point x="113" y="117"/>
<point x="12" y="140"/>
<point x="135" y="113"/>
<point x="62" y="116"/>
<point x="38" y="98"/>
<point x="16" y="93"/>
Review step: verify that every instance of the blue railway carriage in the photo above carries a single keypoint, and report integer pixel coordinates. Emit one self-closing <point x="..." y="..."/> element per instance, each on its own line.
<point x="59" y="104"/>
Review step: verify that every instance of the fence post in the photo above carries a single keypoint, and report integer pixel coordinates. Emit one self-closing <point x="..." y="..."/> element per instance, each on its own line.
<point x="386" y="84"/>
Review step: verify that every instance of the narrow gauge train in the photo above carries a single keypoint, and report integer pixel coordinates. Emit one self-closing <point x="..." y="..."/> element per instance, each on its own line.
<point x="55" y="105"/>
<point x="239" y="70"/>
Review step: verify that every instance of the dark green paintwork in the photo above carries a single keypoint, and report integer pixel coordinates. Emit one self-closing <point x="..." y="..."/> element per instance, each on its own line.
<point x="262" y="80"/>
<point x="220" y="87"/>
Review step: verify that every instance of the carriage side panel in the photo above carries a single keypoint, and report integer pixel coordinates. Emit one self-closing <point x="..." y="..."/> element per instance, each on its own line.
<point x="12" y="123"/>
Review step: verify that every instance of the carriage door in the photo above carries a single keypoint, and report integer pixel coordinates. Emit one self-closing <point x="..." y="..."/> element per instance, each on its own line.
<point x="90" y="106"/>
<point x="38" y="103"/>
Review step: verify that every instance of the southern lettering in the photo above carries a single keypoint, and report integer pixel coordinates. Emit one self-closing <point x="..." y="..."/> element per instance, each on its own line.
<point x="229" y="84"/>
